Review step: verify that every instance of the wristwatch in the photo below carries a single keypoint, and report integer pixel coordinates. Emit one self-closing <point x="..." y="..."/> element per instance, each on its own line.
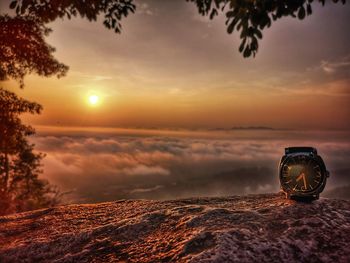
<point x="302" y="173"/>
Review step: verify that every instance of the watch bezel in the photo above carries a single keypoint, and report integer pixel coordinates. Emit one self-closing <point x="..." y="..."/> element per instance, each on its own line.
<point x="315" y="192"/>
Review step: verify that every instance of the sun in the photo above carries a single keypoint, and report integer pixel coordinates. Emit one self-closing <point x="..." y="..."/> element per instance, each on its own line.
<point x="93" y="99"/>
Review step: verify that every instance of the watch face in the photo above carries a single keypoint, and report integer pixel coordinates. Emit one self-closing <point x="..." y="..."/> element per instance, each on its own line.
<point x="301" y="173"/>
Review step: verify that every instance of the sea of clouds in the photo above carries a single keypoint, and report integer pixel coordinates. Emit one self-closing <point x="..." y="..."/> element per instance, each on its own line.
<point x="104" y="165"/>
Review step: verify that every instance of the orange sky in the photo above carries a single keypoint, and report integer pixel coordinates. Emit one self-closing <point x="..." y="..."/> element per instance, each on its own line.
<point x="171" y="67"/>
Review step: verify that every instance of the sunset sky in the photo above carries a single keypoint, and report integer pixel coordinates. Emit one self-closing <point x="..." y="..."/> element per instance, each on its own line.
<point x="171" y="67"/>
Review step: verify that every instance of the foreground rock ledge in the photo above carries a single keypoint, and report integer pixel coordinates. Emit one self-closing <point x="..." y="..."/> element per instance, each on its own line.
<point x="255" y="228"/>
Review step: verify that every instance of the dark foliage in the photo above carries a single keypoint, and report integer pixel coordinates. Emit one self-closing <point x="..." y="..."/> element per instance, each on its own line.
<point x="251" y="17"/>
<point x="20" y="187"/>
<point x="23" y="49"/>
<point x="48" y="11"/>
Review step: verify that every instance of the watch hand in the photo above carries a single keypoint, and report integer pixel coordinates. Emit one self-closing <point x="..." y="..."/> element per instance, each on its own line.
<point x="299" y="177"/>
<point x="302" y="176"/>
<point x="304" y="179"/>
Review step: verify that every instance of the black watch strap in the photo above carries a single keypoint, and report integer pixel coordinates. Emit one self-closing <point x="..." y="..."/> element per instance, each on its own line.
<point x="300" y="149"/>
<point x="305" y="199"/>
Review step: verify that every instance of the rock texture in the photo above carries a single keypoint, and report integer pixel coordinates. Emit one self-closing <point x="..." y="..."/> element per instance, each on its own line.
<point x="256" y="228"/>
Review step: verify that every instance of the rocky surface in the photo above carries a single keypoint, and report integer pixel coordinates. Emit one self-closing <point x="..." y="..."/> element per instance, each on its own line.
<point x="256" y="228"/>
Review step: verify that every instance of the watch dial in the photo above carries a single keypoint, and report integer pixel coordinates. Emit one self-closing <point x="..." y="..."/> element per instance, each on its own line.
<point x="301" y="173"/>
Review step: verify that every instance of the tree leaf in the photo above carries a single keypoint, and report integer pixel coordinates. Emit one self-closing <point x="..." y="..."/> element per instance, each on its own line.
<point x="13" y="4"/>
<point x="301" y="13"/>
<point x="247" y="52"/>
<point x="241" y="46"/>
<point x="230" y="14"/>
<point x="231" y="27"/>
<point x="309" y="9"/>
<point x="258" y="33"/>
<point x="213" y="13"/>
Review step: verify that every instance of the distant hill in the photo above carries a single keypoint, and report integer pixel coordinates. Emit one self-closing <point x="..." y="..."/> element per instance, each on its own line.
<point x="255" y="228"/>
<point x="244" y="128"/>
<point x="251" y="128"/>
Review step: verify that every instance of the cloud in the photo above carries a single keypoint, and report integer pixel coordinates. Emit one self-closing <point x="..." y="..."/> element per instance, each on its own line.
<point x="89" y="76"/>
<point x="146" y="170"/>
<point x="144" y="190"/>
<point x="333" y="88"/>
<point x="160" y="165"/>
<point x="145" y="9"/>
<point x="334" y="66"/>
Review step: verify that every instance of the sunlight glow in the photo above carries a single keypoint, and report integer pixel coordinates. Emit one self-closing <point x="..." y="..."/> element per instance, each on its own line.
<point x="93" y="99"/>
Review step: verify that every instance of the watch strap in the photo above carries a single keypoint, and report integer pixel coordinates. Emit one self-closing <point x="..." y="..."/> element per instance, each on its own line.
<point x="305" y="199"/>
<point x="300" y="149"/>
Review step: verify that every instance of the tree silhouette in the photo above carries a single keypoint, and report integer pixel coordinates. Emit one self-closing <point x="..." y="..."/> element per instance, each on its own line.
<point x="251" y="17"/>
<point x="48" y="11"/>
<point x="23" y="49"/>
<point x="20" y="187"/>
